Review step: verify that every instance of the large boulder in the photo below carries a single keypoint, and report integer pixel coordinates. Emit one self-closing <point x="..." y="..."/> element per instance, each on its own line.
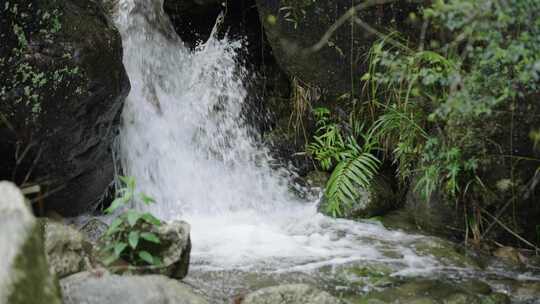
<point x="62" y="86"/>
<point x="290" y="294"/>
<point x="104" y="288"/>
<point x="335" y="62"/>
<point x="24" y="273"/>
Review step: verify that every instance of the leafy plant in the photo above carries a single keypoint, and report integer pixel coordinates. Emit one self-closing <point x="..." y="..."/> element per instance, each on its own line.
<point x="130" y="237"/>
<point x="355" y="165"/>
<point x="434" y="100"/>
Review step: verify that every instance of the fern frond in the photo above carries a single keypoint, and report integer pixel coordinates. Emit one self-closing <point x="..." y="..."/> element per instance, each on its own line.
<point x="348" y="177"/>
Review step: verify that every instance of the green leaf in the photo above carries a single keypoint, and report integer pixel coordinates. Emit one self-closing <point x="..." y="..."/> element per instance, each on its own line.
<point x="147" y="199"/>
<point x="157" y="261"/>
<point x="133" y="217"/>
<point x="356" y="170"/>
<point x="133" y="239"/>
<point x="117" y="203"/>
<point x="110" y="259"/>
<point x="146" y="256"/>
<point x="114" y="226"/>
<point x="148" y="236"/>
<point x="107" y="248"/>
<point x="119" y="248"/>
<point x="149" y="218"/>
<point x="127" y="180"/>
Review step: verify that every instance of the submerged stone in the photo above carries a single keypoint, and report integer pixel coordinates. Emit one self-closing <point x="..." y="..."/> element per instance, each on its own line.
<point x="445" y="252"/>
<point x="427" y="291"/>
<point x="290" y="294"/>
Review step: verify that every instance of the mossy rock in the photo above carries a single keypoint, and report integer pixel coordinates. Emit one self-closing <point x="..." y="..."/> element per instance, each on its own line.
<point x="370" y="276"/>
<point x="398" y="220"/>
<point x="317" y="179"/>
<point x="446" y="252"/>
<point x="24" y="272"/>
<point x="290" y="294"/>
<point x="67" y="250"/>
<point x="435" y="292"/>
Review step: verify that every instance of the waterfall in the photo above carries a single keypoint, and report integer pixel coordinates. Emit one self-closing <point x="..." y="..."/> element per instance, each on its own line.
<point x="185" y="141"/>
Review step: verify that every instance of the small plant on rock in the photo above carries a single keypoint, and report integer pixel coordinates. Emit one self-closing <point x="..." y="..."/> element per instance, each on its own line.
<point x="130" y="237"/>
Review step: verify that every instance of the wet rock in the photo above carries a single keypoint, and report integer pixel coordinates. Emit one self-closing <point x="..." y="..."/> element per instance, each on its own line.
<point x="435" y="215"/>
<point x="524" y="291"/>
<point x="104" y="288"/>
<point x="290" y="294"/>
<point x="446" y="252"/>
<point x="399" y="219"/>
<point x="67" y="250"/>
<point x="317" y="179"/>
<point x="176" y="248"/>
<point x="426" y="291"/>
<point x="24" y="273"/>
<point x="62" y="86"/>
<point x="355" y="277"/>
<point x="93" y="229"/>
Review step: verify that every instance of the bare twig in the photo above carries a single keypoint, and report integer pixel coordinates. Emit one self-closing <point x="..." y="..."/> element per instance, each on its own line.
<point x="511" y="231"/>
<point x="34" y="164"/>
<point x="48" y="193"/>
<point x="343" y="19"/>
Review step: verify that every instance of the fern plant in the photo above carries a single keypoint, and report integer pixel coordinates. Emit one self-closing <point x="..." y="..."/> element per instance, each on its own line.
<point x="355" y="164"/>
<point x="130" y="237"/>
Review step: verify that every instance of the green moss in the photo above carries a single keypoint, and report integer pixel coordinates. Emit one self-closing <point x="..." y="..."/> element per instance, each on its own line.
<point x="33" y="280"/>
<point x="425" y="291"/>
<point x="445" y="252"/>
<point x="29" y="76"/>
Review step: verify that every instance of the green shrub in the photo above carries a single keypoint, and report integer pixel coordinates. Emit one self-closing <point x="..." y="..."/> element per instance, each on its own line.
<point x="436" y="95"/>
<point x="130" y="237"/>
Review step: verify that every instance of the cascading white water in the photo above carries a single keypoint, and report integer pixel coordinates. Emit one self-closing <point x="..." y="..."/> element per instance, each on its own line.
<point x="184" y="139"/>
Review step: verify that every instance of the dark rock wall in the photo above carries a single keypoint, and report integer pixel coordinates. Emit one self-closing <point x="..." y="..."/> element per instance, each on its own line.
<point x="62" y="91"/>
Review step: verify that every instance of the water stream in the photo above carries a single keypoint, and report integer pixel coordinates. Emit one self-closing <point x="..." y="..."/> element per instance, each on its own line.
<point x="185" y="140"/>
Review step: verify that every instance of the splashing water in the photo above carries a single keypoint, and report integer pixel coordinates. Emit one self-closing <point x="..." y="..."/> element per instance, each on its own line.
<point x="185" y="141"/>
